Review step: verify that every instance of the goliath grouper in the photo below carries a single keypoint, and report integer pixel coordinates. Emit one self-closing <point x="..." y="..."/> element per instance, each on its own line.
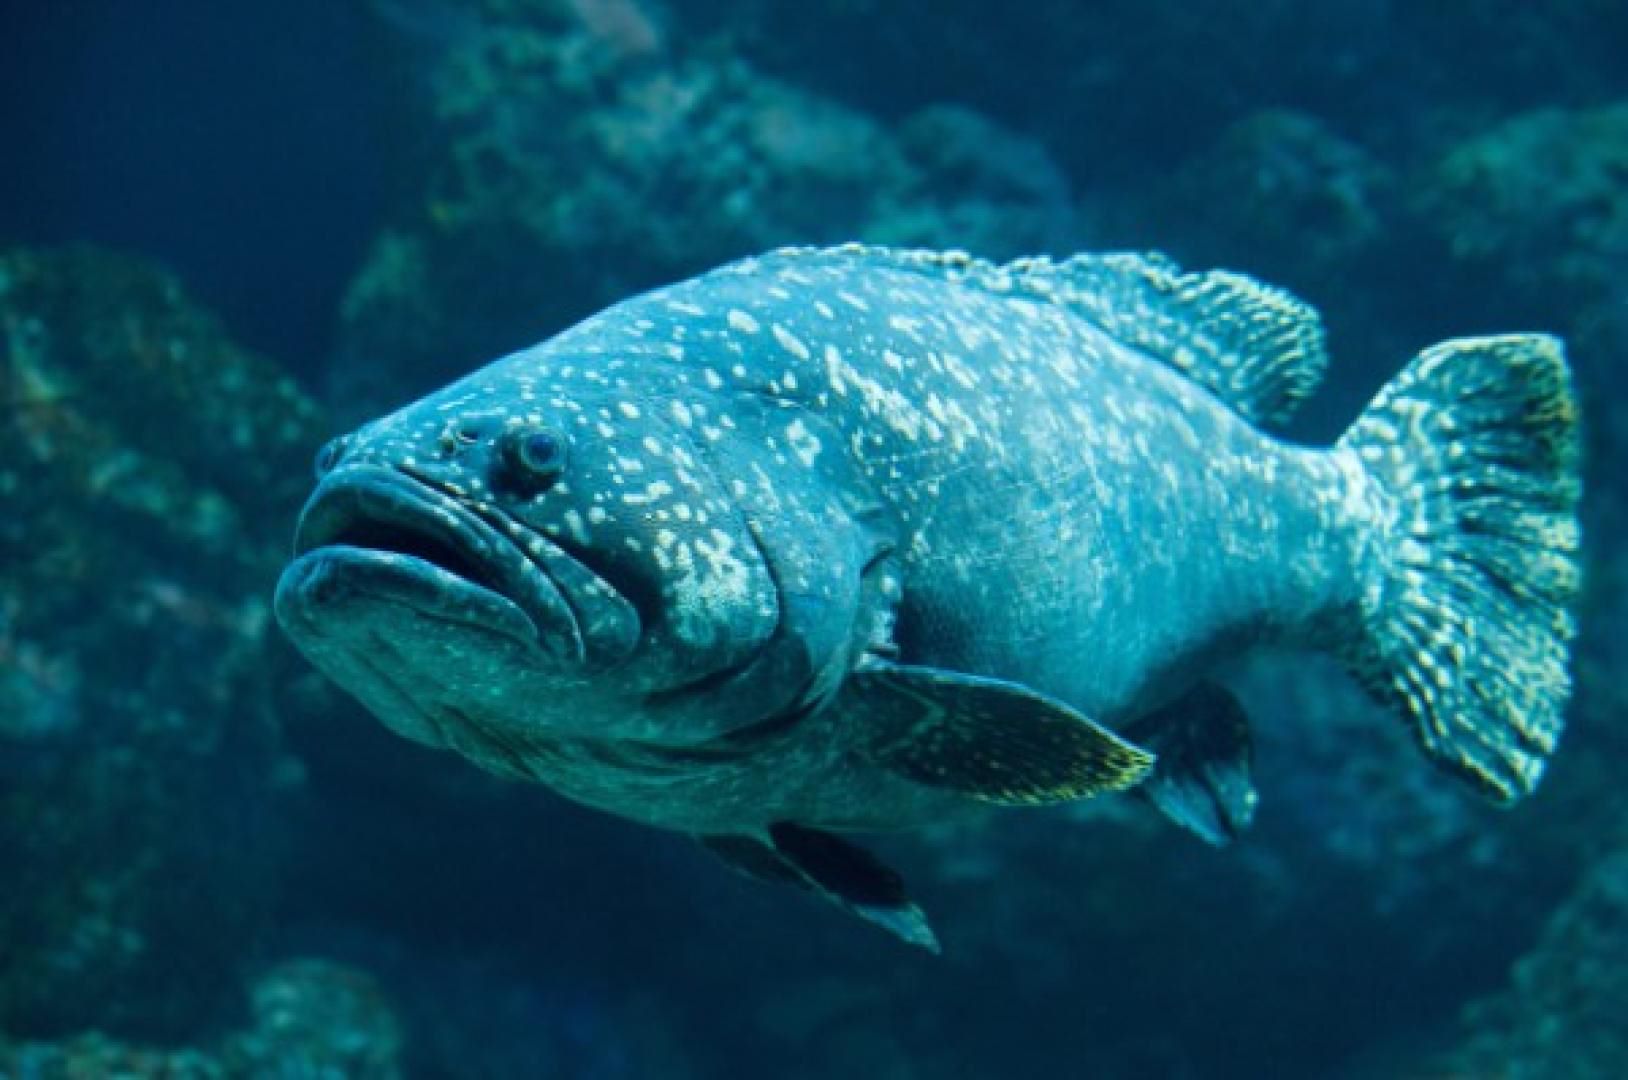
<point x="852" y="539"/>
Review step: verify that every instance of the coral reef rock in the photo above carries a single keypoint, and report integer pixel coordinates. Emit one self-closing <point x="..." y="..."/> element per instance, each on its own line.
<point x="576" y="155"/>
<point x="152" y="467"/>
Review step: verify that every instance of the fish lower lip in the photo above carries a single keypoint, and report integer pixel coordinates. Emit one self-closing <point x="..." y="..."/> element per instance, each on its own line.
<point x="325" y="576"/>
<point x="369" y="508"/>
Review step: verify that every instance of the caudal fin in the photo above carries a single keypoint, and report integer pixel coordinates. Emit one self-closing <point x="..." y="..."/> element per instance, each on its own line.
<point x="1474" y="447"/>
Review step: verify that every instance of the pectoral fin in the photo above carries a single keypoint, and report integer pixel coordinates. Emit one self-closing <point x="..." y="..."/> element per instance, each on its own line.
<point x="844" y="873"/>
<point x="995" y="741"/>
<point x="1202" y="778"/>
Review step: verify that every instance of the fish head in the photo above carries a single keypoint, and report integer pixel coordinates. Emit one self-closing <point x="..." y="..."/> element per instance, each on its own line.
<point x="549" y="549"/>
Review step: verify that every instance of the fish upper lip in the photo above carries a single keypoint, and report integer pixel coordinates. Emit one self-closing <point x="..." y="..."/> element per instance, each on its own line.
<point x="609" y="624"/>
<point x="358" y="496"/>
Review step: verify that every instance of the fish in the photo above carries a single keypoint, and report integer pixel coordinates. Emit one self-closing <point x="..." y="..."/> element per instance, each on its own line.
<point x="837" y="540"/>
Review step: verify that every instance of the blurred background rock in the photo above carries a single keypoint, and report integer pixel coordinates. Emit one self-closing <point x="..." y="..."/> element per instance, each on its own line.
<point x="377" y="196"/>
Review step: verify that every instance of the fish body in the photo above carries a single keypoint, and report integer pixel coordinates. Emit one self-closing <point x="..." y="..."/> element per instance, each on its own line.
<point x="857" y="538"/>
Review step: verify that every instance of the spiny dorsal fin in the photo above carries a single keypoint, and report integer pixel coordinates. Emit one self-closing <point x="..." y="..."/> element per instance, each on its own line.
<point x="1252" y="345"/>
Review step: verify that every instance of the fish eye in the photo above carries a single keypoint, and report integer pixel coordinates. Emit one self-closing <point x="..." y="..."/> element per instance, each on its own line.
<point x="536" y="456"/>
<point x="329" y="455"/>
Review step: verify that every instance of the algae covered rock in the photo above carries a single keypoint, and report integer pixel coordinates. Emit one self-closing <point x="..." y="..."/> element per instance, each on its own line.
<point x="1542" y="197"/>
<point x="576" y="154"/>
<point x="310" y="1018"/>
<point x="150" y="472"/>
<point x="314" y="1017"/>
<point x="978" y="186"/>
<point x="1561" y="1015"/>
<point x="1282" y="186"/>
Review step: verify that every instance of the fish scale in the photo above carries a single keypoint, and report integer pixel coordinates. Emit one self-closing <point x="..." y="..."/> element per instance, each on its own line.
<point x="982" y="483"/>
<point x="859" y="538"/>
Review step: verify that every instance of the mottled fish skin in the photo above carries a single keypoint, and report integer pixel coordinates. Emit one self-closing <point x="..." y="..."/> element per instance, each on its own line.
<point x="793" y="464"/>
<point x="1070" y="513"/>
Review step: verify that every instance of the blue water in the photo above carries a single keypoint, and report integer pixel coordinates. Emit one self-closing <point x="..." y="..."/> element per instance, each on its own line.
<point x="229" y="231"/>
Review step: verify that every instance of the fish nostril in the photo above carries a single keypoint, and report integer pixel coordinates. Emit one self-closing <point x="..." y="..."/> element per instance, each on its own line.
<point x="463" y="432"/>
<point x="533" y="457"/>
<point x="330" y="454"/>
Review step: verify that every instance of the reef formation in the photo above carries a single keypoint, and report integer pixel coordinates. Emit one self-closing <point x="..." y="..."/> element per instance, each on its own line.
<point x="189" y="816"/>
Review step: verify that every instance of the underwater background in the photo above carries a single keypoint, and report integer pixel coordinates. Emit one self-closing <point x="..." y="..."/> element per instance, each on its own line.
<point x="229" y="230"/>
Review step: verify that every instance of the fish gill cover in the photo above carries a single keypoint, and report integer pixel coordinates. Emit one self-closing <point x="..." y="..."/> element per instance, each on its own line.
<point x="215" y="863"/>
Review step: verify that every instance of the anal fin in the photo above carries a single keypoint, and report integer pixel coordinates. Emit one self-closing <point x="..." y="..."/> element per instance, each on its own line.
<point x="1201" y="780"/>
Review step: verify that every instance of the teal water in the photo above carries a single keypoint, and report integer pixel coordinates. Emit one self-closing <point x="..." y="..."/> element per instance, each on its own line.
<point x="230" y="231"/>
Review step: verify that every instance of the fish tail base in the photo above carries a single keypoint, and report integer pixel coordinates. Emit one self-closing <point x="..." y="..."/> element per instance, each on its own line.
<point x="1474" y="452"/>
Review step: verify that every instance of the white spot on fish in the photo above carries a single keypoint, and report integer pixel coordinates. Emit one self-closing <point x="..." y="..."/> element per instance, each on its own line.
<point x="803" y="442"/>
<point x="880" y="401"/>
<point x="654" y="491"/>
<point x="740" y="320"/>
<point x="790" y="342"/>
<point x="573" y="524"/>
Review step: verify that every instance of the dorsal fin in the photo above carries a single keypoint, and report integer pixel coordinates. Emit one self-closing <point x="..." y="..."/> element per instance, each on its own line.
<point x="1252" y="345"/>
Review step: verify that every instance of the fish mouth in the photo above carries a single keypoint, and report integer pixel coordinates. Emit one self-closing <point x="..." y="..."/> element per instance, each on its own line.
<point x="392" y="533"/>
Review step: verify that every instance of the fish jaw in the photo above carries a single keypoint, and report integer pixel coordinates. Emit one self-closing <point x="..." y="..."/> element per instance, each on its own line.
<point x="411" y="543"/>
<point x="430" y="611"/>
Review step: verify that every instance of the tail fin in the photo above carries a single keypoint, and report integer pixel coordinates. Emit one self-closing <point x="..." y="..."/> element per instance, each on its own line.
<point x="1474" y="447"/>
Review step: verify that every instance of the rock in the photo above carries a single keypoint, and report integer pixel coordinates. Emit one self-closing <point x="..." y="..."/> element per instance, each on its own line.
<point x="568" y="169"/>
<point x="1539" y="200"/>
<point x="311" y="1018"/>
<point x="1561" y="1014"/>
<point x="314" y="1017"/>
<point x="1305" y="202"/>
<point x="144" y="499"/>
